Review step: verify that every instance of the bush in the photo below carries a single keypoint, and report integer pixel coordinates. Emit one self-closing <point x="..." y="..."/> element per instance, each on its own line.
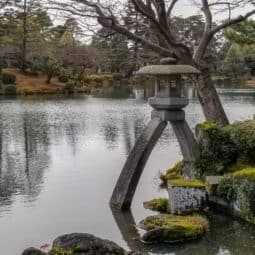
<point x="63" y="78"/>
<point x="243" y="136"/>
<point x="8" y="78"/>
<point x="69" y="87"/>
<point x="117" y="76"/>
<point x="10" y="90"/>
<point x="97" y="77"/>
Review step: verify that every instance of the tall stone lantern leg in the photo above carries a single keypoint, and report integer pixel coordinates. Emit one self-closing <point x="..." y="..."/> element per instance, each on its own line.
<point x="167" y="107"/>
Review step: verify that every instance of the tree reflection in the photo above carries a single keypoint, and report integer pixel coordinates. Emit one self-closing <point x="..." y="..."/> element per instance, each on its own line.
<point x="24" y="143"/>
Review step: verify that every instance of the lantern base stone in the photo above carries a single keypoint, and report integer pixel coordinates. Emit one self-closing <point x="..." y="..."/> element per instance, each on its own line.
<point x="167" y="115"/>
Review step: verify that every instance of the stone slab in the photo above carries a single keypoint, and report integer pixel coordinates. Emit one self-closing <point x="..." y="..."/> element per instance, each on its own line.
<point x="185" y="200"/>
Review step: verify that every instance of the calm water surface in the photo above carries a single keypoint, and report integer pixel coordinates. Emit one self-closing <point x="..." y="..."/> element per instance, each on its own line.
<point x="60" y="158"/>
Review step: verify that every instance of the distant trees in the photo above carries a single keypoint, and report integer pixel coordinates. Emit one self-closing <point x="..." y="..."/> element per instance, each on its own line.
<point x="238" y="58"/>
<point x="158" y="17"/>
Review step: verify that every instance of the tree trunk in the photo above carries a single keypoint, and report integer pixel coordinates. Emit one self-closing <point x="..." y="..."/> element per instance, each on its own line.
<point x="24" y="39"/>
<point x="210" y="101"/>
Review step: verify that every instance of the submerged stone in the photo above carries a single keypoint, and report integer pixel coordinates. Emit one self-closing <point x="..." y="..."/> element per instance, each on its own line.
<point x="33" y="251"/>
<point x="172" y="228"/>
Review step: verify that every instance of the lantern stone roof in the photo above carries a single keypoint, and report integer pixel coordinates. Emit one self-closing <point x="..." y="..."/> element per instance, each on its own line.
<point x="168" y="66"/>
<point x="168" y="70"/>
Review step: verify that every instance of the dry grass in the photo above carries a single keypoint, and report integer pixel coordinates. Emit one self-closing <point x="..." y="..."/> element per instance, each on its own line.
<point x="27" y="84"/>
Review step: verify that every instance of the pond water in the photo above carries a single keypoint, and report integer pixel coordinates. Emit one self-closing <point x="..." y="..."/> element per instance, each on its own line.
<point x="60" y="158"/>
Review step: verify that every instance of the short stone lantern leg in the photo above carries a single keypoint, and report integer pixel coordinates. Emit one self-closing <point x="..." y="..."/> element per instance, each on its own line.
<point x="167" y="104"/>
<point x="186" y="196"/>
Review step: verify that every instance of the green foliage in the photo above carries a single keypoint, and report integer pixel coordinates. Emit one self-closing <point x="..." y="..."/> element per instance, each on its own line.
<point x="10" y="90"/>
<point x="220" y="153"/>
<point x="227" y="189"/>
<point x="240" y="187"/>
<point x="233" y="66"/>
<point x="242" y="33"/>
<point x="173" y="173"/>
<point x="157" y="204"/>
<point x="242" y="134"/>
<point x="229" y="185"/>
<point x="50" y="67"/>
<point x="8" y="78"/>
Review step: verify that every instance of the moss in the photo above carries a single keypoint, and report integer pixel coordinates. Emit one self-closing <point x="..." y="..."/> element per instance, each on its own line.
<point x="231" y="186"/>
<point x="157" y="204"/>
<point x="227" y="146"/>
<point x="171" y="228"/>
<point x="238" y="166"/>
<point x="207" y="126"/>
<point x="187" y="183"/>
<point x="248" y="173"/>
<point x="172" y="173"/>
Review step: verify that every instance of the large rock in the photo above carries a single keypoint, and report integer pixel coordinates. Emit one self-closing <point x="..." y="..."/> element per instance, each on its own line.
<point x="79" y="243"/>
<point x="170" y="228"/>
<point x="33" y="251"/>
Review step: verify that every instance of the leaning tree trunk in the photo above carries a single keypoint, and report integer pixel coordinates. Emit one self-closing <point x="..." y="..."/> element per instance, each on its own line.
<point x="210" y="101"/>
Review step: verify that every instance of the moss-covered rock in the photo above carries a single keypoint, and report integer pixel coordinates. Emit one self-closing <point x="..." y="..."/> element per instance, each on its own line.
<point x="170" y="228"/>
<point x="224" y="149"/>
<point x="157" y="204"/>
<point x="238" y="189"/>
<point x="181" y="182"/>
<point x="79" y="243"/>
<point x="172" y="173"/>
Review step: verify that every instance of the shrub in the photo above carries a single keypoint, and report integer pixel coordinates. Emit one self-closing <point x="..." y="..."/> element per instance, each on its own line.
<point x="117" y="76"/>
<point x="69" y="87"/>
<point x="63" y="78"/>
<point x="227" y="189"/>
<point x="10" y="90"/>
<point x="8" y="78"/>
<point x="97" y="77"/>
<point x="243" y="136"/>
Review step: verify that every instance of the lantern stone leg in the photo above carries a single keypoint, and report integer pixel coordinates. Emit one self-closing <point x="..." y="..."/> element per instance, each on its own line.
<point x="127" y="183"/>
<point x="188" y="144"/>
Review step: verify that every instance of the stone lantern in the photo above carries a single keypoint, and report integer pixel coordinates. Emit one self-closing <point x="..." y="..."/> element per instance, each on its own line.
<point x="167" y="104"/>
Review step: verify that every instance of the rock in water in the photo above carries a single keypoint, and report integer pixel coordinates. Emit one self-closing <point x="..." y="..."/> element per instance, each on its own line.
<point x="33" y="251"/>
<point x="78" y="243"/>
<point x="172" y="228"/>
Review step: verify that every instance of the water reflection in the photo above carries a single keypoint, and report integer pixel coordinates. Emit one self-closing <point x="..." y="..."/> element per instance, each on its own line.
<point x="24" y="156"/>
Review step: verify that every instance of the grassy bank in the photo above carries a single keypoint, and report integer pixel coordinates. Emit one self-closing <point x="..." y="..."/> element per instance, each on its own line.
<point x="36" y="84"/>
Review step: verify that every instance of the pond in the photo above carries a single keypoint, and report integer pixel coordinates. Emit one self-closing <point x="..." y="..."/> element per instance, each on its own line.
<point x="60" y="158"/>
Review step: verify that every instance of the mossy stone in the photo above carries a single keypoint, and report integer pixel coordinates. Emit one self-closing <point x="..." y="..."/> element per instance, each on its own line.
<point x="157" y="204"/>
<point x="187" y="183"/>
<point x="170" y="228"/>
<point x="172" y="173"/>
